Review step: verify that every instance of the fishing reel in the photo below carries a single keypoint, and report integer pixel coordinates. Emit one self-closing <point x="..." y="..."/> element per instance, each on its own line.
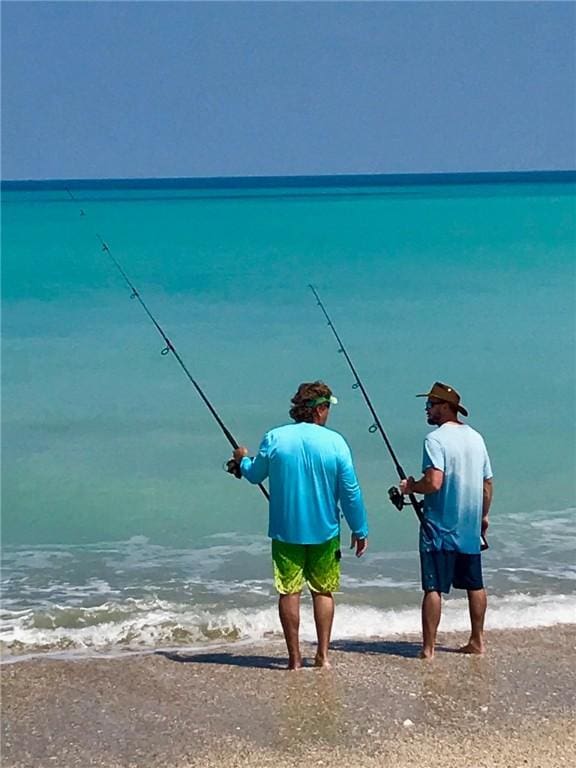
<point x="233" y="468"/>
<point x="399" y="500"/>
<point x="396" y="498"/>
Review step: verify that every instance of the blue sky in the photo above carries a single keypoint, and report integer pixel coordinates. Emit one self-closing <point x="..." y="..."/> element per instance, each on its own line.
<point x="183" y="89"/>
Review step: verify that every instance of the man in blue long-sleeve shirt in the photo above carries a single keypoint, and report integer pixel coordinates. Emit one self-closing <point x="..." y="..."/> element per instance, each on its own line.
<point x="311" y="476"/>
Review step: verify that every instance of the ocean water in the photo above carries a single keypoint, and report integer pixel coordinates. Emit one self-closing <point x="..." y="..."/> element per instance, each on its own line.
<point x="120" y="531"/>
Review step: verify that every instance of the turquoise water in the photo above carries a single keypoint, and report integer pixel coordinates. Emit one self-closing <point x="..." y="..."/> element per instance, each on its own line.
<point x="112" y="481"/>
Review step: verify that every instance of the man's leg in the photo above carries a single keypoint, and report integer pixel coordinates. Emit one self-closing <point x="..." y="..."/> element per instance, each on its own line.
<point x="437" y="568"/>
<point x="468" y="576"/>
<point x="477" y="602"/>
<point x="289" y="610"/>
<point x="288" y="560"/>
<point x="322" y="572"/>
<point x="431" y="611"/>
<point x="323" y="618"/>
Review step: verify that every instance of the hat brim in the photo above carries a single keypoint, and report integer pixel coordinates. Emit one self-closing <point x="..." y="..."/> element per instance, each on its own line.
<point x="459" y="408"/>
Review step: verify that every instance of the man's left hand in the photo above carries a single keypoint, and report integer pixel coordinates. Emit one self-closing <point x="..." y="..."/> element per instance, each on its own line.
<point x="239" y="453"/>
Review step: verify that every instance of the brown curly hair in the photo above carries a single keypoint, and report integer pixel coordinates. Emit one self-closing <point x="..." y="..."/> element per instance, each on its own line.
<point x="307" y="392"/>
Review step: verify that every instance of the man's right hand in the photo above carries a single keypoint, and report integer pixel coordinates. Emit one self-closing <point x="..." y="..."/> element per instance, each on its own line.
<point x="405" y="486"/>
<point x="360" y="544"/>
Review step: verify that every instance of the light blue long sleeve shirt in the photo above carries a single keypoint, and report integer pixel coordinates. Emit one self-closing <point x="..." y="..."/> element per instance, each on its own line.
<point x="311" y="474"/>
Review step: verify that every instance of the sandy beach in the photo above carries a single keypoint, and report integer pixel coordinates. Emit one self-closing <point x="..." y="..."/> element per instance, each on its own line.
<point x="379" y="705"/>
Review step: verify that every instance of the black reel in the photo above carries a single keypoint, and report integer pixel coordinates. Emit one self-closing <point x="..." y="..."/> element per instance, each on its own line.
<point x="233" y="468"/>
<point x="396" y="497"/>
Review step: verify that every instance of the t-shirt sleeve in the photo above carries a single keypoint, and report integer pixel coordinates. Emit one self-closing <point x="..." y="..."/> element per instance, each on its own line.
<point x="255" y="469"/>
<point x="487" y="466"/>
<point x="433" y="455"/>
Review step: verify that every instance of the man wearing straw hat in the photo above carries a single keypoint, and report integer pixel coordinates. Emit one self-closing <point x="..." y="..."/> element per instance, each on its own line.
<point x="457" y="488"/>
<point x="310" y="474"/>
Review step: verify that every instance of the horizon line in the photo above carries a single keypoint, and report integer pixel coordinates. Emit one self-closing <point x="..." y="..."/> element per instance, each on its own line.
<point x="318" y="180"/>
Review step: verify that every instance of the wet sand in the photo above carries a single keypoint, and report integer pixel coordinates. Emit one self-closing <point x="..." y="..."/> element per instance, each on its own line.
<point x="237" y="707"/>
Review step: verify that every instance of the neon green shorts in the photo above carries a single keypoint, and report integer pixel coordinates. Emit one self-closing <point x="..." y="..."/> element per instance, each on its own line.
<point x="318" y="565"/>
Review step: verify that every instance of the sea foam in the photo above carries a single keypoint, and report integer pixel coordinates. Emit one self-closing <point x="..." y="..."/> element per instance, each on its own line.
<point x="149" y="624"/>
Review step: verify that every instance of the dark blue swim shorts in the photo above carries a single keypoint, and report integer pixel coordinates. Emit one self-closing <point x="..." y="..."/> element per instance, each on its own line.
<point x="444" y="569"/>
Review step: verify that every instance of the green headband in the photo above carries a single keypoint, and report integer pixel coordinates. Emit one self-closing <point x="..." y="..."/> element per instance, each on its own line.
<point x="321" y="400"/>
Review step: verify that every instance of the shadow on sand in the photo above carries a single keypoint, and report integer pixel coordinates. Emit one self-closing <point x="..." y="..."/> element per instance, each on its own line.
<point x="404" y="648"/>
<point x="234" y="660"/>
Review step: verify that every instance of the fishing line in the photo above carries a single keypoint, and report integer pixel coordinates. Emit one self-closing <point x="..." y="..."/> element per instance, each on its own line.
<point x="231" y="466"/>
<point x="393" y="493"/>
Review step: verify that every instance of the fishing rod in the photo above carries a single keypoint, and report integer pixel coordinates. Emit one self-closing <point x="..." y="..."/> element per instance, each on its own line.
<point x="393" y="493"/>
<point x="231" y="466"/>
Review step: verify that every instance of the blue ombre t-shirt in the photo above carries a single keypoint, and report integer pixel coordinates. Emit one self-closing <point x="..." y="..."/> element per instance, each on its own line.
<point x="454" y="513"/>
<point x="310" y="474"/>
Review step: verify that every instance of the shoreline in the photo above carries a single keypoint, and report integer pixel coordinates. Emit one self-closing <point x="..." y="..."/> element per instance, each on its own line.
<point x="237" y="706"/>
<point x="267" y="643"/>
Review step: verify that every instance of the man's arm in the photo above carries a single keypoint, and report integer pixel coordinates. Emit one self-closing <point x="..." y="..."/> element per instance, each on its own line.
<point x="430" y="482"/>
<point x="433" y="463"/>
<point x="350" y="497"/>
<point x="487" y="493"/>
<point x="255" y="470"/>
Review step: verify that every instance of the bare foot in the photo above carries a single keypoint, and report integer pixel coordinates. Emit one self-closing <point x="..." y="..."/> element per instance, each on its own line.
<point x="294" y="664"/>
<point x="323" y="662"/>
<point x="426" y="654"/>
<point x="473" y="648"/>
